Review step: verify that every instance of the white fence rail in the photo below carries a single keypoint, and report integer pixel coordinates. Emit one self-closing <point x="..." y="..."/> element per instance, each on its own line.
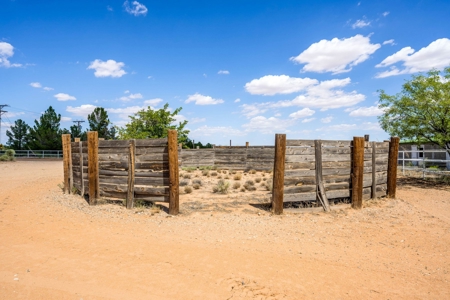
<point x="416" y="160"/>
<point x="37" y="153"/>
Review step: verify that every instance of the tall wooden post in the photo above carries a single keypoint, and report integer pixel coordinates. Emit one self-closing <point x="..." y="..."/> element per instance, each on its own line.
<point x="67" y="163"/>
<point x="278" y="174"/>
<point x="94" y="191"/>
<point x="131" y="166"/>
<point x="357" y="172"/>
<point x="392" y="167"/>
<point x="174" y="197"/>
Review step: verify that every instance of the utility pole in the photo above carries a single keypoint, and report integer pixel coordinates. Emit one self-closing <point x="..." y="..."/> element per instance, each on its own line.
<point x="78" y="123"/>
<point x="1" y="113"/>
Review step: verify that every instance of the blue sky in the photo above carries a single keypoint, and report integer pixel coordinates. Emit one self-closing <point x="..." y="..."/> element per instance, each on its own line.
<point x="241" y="70"/>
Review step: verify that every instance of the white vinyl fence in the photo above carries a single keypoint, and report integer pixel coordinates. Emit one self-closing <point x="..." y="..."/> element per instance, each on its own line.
<point x="37" y="153"/>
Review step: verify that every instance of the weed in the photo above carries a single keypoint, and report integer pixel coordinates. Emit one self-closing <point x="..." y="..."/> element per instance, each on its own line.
<point x="187" y="189"/>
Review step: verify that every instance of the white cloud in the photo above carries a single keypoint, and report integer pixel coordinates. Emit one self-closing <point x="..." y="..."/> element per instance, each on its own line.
<point x="109" y="68"/>
<point x="7" y="51"/>
<point x="326" y="96"/>
<point x="135" y="8"/>
<point x="308" y="120"/>
<point x="306" y="112"/>
<point x="225" y="72"/>
<point x="337" y="55"/>
<point x="237" y="100"/>
<point x="131" y="97"/>
<point x="268" y="125"/>
<point x="436" y="55"/>
<point x="48" y="88"/>
<point x="64" y="97"/>
<point x="66" y="119"/>
<point x="278" y="84"/>
<point x="326" y="119"/>
<point x="370" y="111"/>
<point x="360" y="24"/>
<point x="197" y="120"/>
<point x="200" y="99"/>
<point x="386" y="13"/>
<point x="153" y="102"/>
<point x="82" y="110"/>
<point x="36" y="85"/>
<point x="206" y="130"/>
<point x="389" y="42"/>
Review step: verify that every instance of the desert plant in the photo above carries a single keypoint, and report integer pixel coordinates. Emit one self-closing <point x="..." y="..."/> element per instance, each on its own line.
<point x="236" y="185"/>
<point x="196" y="186"/>
<point x="237" y="176"/>
<point x="221" y="187"/>
<point x="187" y="189"/>
<point x="184" y="182"/>
<point x="258" y="179"/>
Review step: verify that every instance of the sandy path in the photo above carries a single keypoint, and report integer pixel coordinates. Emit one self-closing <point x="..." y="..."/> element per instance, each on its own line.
<point x="54" y="246"/>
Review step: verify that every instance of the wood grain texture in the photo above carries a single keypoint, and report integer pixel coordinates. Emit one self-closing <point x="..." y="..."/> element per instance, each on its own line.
<point x="278" y="174"/>
<point x="392" y="167"/>
<point x="357" y="172"/>
<point x="174" y="205"/>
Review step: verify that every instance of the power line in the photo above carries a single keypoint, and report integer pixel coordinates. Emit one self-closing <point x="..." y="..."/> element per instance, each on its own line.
<point x="1" y="113"/>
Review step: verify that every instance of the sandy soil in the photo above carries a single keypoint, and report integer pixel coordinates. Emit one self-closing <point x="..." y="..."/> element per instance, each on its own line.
<point x="54" y="246"/>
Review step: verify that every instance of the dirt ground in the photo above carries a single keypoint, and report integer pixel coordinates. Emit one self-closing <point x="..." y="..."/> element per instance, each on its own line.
<point x="54" y="246"/>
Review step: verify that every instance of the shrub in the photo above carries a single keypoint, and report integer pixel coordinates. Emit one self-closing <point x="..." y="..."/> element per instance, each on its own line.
<point x="196" y="186"/>
<point x="258" y="180"/>
<point x="222" y="187"/>
<point x="184" y="182"/>
<point x="197" y="181"/>
<point x="237" y="176"/>
<point x="236" y="185"/>
<point x="188" y="189"/>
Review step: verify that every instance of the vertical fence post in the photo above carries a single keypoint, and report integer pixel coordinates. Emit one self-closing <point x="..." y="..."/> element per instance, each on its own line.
<point x="174" y="197"/>
<point x="131" y="164"/>
<point x="374" y="171"/>
<point x="392" y="167"/>
<point x="94" y="192"/>
<point x="67" y="162"/>
<point x="278" y="174"/>
<point x="357" y="172"/>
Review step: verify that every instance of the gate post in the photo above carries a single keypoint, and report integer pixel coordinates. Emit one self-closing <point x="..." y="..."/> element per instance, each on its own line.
<point x="392" y="167"/>
<point x="278" y="174"/>
<point x="93" y="175"/>
<point x="174" y="197"/>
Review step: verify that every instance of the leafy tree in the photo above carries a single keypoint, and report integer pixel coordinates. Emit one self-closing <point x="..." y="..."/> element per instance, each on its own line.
<point x="150" y="124"/>
<point x="421" y="111"/>
<point x="46" y="134"/>
<point x="19" y="135"/>
<point x="99" y="121"/>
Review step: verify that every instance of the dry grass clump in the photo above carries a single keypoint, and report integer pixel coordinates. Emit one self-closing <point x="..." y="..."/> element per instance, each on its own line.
<point x="221" y="187"/>
<point x="237" y="176"/>
<point x="184" y="182"/>
<point x="196" y="186"/>
<point x="188" y="189"/>
<point x="258" y="179"/>
<point x="236" y="185"/>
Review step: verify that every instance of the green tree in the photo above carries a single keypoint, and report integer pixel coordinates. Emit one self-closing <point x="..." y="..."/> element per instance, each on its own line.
<point x="99" y="121"/>
<point x="19" y="135"/>
<point x="46" y="134"/>
<point x="421" y="111"/>
<point x="150" y="124"/>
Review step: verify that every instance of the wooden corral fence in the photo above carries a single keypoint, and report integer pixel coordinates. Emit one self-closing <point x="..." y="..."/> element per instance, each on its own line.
<point x="238" y="158"/>
<point x="126" y="169"/>
<point x="319" y="170"/>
